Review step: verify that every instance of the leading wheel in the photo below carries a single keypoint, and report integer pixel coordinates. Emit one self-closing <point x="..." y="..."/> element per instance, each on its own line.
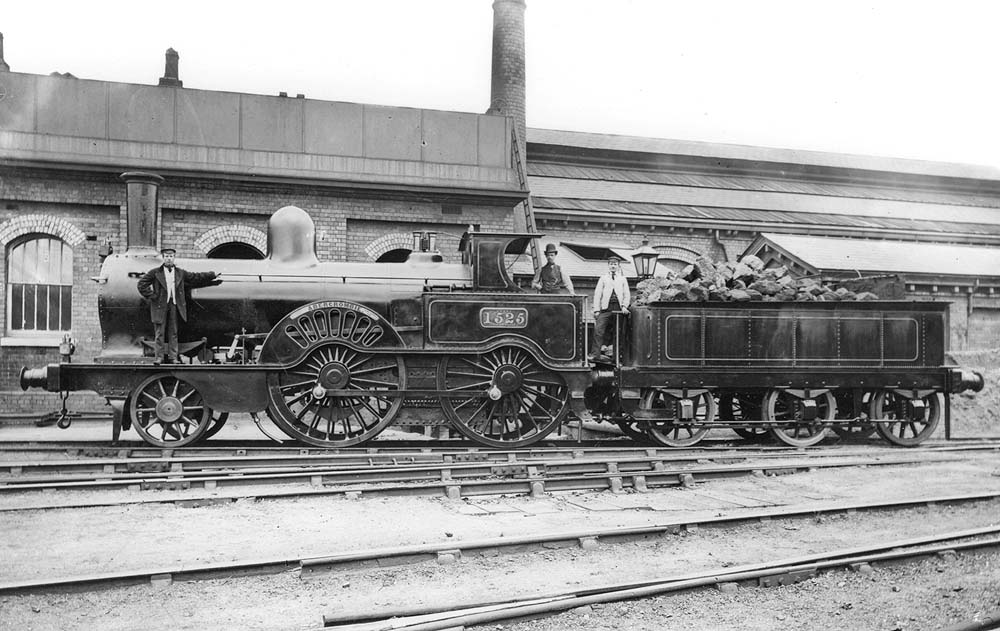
<point x="905" y="421"/>
<point x="503" y="398"/>
<point x="799" y="421"/>
<point x="337" y="396"/>
<point x="168" y="412"/>
<point x="671" y="430"/>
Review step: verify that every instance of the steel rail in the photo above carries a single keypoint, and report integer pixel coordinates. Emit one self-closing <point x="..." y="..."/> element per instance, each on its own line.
<point x="782" y="572"/>
<point x="587" y="539"/>
<point x="180" y="461"/>
<point x="452" y="480"/>
<point x="392" y="447"/>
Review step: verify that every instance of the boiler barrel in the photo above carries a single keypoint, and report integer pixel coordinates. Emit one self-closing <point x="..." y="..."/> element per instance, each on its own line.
<point x="254" y="295"/>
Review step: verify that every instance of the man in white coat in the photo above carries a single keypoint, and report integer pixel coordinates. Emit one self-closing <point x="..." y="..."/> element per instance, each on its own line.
<point x="612" y="294"/>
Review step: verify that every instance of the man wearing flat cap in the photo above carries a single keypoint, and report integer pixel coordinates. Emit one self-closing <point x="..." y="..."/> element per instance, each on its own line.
<point x="550" y="278"/>
<point x="166" y="287"/>
<point x="611" y="295"/>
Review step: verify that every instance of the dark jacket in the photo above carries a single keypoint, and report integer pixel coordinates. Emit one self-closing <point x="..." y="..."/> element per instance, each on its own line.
<point x="153" y="287"/>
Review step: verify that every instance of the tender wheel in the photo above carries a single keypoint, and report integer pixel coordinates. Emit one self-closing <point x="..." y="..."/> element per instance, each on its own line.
<point x="678" y="432"/>
<point x="742" y="407"/>
<point x="512" y="399"/>
<point x="904" y="421"/>
<point x="846" y="408"/>
<point x="791" y="423"/>
<point x="168" y="412"/>
<point x="309" y="402"/>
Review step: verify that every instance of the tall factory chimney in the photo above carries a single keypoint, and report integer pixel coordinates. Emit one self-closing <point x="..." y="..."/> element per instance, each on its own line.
<point x="171" y="75"/>
<point x="507" y="94"/>
<point x="3" y="64"/>
<point x="507" y="86"/>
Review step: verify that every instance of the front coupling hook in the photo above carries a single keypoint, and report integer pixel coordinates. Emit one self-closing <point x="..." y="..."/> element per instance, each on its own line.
<point x="64" y="417"/>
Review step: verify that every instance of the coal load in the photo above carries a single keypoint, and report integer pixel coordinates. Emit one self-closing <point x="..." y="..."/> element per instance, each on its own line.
<point x="744" y="281"/>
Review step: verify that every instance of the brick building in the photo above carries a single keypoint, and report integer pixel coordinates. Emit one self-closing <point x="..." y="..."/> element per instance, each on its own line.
<point x="371" y="175"/>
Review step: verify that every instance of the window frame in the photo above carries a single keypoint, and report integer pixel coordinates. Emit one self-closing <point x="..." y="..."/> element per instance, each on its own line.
<point x="21" y="247"/>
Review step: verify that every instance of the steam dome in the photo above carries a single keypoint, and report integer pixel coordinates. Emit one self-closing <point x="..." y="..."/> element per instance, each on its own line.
<point x="291" y="237"/>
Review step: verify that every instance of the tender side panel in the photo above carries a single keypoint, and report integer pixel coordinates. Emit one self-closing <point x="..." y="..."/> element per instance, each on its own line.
<point x="791" y="335"/>
<point x="771" y="338"/>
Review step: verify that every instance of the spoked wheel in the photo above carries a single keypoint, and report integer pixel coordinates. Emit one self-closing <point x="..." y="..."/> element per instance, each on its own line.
<point x="846" y="408"/>
<point x="742" y="407"/>
<point x="168" y="412"/>
<point x="905" y="421"/>
<point x="676" y="431"/>
<point x="511" y="401"/>
<point x="215" y="423"/>
<point x="790" y="416"/>
<point x="336" y="396"/>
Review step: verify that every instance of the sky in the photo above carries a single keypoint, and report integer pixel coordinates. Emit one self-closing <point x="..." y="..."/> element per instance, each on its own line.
<point x="910" y="79"/>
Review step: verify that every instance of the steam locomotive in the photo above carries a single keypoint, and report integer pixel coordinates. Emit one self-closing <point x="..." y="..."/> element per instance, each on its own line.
<point x="336" y="352"/>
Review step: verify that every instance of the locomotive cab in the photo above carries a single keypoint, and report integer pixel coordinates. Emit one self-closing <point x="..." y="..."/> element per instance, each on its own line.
<point x="486" y="252"/>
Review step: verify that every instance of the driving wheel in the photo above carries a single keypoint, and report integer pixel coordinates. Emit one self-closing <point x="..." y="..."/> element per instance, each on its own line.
<point x="337" y="396"/>
<point x="503" y="398"/>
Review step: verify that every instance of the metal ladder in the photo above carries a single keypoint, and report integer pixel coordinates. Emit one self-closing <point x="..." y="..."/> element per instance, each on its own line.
<point x="529" y="208"/>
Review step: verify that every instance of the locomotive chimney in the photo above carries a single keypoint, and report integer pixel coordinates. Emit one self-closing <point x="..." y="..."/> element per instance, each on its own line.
<point x="507" y="94"/>
<point x="142" y="210"/>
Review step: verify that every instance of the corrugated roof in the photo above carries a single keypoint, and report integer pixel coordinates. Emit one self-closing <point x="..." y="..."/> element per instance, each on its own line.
<point x="760" y="154"/>
<point x="839" y="254"/>
<point x="633" y="211"/>
<point x="748" y="183"/>
<point x="795" y="203"/>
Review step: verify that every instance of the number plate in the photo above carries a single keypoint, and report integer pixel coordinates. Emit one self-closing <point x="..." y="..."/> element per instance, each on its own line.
<point x="503" y="317"/>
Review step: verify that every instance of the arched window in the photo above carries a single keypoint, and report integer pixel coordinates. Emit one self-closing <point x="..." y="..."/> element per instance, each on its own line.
<point x="235" y="250"/>
<point x="39" y="285"/>
<point x="398" y="255"/>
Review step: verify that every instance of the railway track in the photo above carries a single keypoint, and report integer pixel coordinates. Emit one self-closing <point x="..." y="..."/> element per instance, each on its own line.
<point x="75" y="461"/>
<point x="137" y="449"/>
<point x="767" y="574"/>
<point x="453" y="474"/>
<point x="451" y="551"/>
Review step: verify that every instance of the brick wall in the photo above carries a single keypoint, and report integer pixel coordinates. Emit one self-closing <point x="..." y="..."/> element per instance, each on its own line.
<point x="984" y="324"/>
<point x="367" y="239"/>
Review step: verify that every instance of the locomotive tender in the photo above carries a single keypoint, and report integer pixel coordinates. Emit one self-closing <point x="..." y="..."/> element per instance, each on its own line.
<point x="336" y="352"/>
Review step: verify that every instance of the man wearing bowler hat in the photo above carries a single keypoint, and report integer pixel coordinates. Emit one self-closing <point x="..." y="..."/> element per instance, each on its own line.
<point x="550" y="278"/>
<point x="165" y="287"/>
<point x="611" y="295"/>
